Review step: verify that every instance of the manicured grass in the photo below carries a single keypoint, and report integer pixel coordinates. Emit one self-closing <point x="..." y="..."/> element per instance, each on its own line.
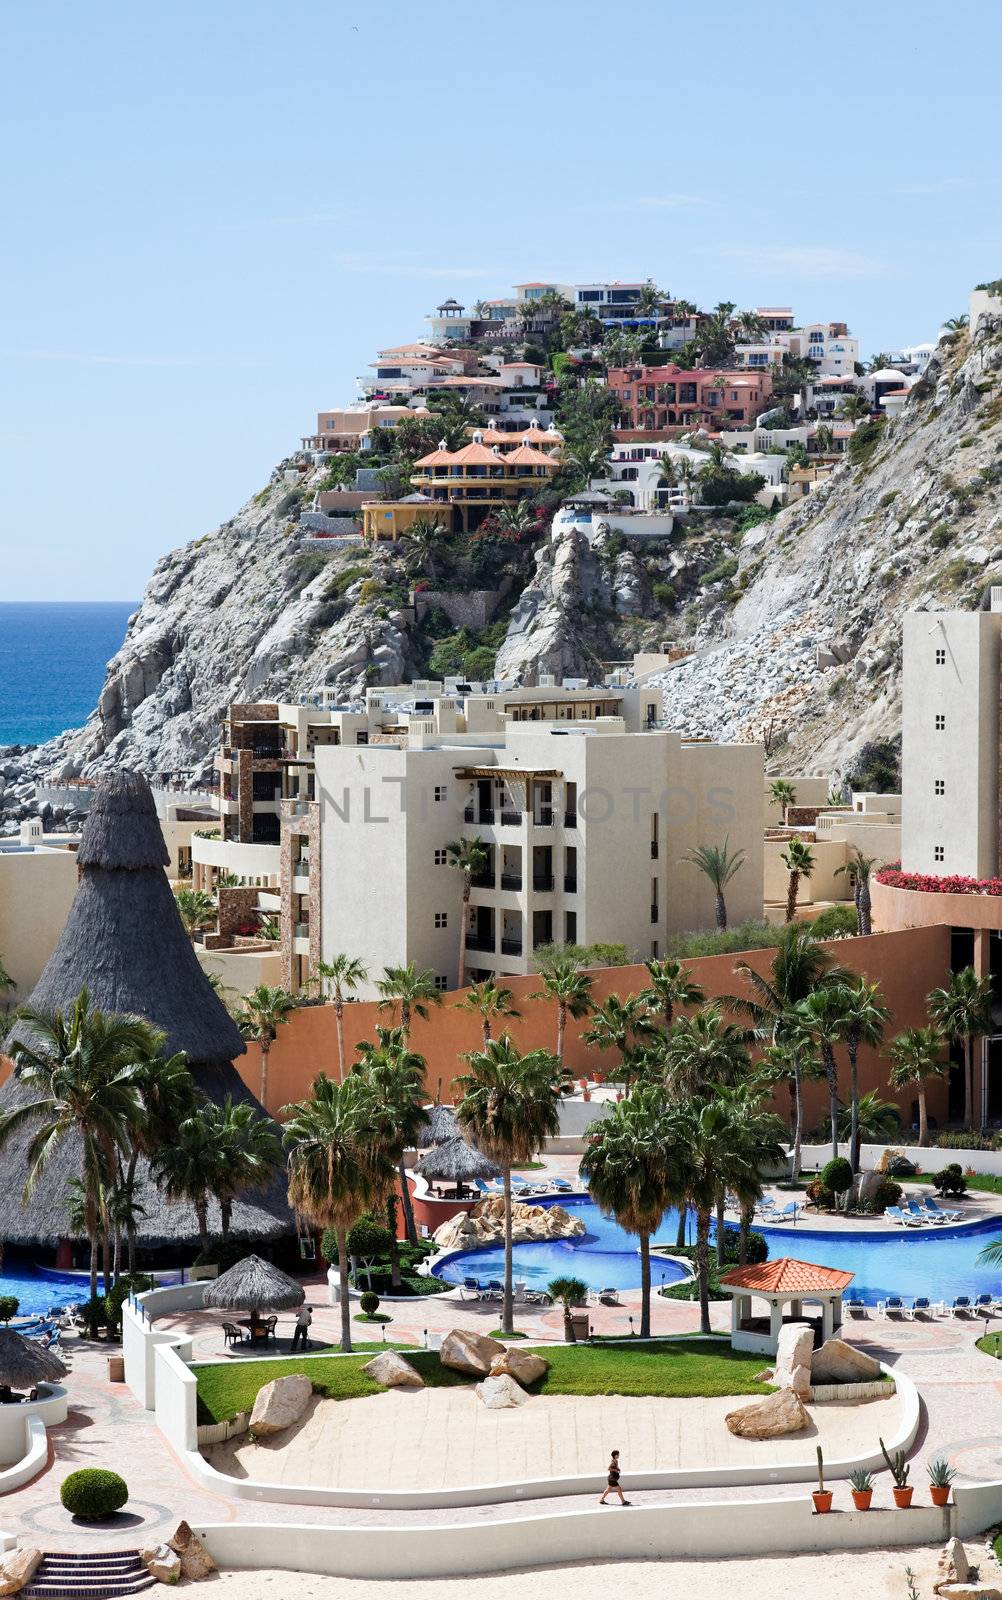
<point x="988" y="1342"/>
<point x="373" y="1316"/>
<point x="671" y="1368"/>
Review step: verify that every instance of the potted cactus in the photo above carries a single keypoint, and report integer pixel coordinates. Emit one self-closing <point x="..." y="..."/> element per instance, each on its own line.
<point x="861" y="1486"/>
<point x="941" y="1475"/>
<point x="898" y="1468"/>
<point x="821" y="1496"/>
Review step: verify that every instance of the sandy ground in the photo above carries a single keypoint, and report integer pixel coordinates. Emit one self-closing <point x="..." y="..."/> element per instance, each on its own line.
<point x="875" y="1575"/>
<point x="443" y="1438"/>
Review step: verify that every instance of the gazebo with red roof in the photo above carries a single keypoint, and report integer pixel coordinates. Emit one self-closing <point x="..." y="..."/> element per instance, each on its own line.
<point x="785" y="1285"/>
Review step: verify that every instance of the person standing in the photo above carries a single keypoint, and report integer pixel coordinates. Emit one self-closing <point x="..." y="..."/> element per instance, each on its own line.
<point x="304" y="1316"/>
<point x="612" y="1485"/>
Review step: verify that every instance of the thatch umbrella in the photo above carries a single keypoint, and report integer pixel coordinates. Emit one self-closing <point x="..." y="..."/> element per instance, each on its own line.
<point x="456" y="1162"/>
<point x="253" y="1285"/>
<point x="124" y="942"/>
<point x="439" y="1127"/>
<point x="25" y="1362"/>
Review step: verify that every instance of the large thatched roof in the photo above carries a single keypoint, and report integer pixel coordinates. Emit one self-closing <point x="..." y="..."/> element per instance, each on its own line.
<point x="439" y="1127"/>
<point x="254" y="1285"/>
<point x="455" y="1162"/>
<point x="25" y="1362"/>
<point x="124" y="942"/>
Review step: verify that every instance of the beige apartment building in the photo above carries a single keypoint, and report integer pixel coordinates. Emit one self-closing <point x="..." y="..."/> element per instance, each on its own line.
<point x="585" y="822"/>
<point x="37" y="885"/>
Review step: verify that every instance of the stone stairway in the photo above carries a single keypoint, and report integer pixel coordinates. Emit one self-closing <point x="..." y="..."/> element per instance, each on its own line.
<point x="67" y="1577"/>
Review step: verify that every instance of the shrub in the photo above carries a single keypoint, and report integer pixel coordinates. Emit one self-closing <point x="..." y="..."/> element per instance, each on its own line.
<point x="951" y="1180"/>
<point x="93" y="1493"/>
<point x="820" y="1196"/>
<point x="835" y="922"/>
<point x="369" y="1302"/>
<point x="887" y="1193"/>
<point x="369" y="1238"/>
<point x="723" y="570"/>
<point x="129" y="1283"/>
<point x="664" y="594"/>
<point x="711" y="942"/>
<point x="965" y="1141"/>
<point x="836" y="1175"/>
<point x="864" y="441"/>
<point x="941" y="535"/>
<point x="8" y="1307"/>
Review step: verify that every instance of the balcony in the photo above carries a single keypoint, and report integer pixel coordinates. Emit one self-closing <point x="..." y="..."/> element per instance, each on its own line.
<point x="511" y="880"/>
<point x="654" y="849"/>
<point x="510" y="818"/>
<point x="542" y="881"/>
<point x="480" y="941"/>
<point x="482" y="880"/>
<point x="570" y="819"/>
<point x="511" y="947"/>
<point x="543" y="817"/>
<point x="570" y="883"/>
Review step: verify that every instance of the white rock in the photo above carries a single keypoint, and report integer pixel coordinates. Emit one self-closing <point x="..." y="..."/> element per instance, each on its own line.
<point x="501" y="1392"/>
<point x="793" y="1355"/>
<point x="465" y="1351"/>
<point x="390" y="1369"/>
<point x="18" y="1567"/>
<point x="196" y="1561"/>
<point x="162" y="1563"/>
<point x="280" y="1403"/>
<point x="840" y="1362"/>
<point x="771" y="1418"/>
<point x="523" y="1365"/>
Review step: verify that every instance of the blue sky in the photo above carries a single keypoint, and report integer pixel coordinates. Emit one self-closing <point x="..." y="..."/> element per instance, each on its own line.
<point x="215" y="212"/>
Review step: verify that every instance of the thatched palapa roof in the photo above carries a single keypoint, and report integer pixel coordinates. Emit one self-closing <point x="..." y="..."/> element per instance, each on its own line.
<point x="125" y="943"/>
<point x="25" y="1362"/>
<point x="440" y="1126"/>
<point x="253" y="1285"/>
<point x="456" y="1162"/>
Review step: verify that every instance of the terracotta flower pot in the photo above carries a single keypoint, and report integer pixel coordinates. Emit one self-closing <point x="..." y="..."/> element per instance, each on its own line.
<point x="939" y="1493"/>
<point x="903" y="1495"/>
<point x="861" y="1499"/>
<point x="822" y="1500"/>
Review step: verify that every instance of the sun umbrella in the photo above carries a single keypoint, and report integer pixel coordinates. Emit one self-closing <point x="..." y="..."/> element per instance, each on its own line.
<point x="253" y="1285"/>
<point x="25" y="1362"/>
<point x="439" y="1127"/>
<point x="456" y="1162"/>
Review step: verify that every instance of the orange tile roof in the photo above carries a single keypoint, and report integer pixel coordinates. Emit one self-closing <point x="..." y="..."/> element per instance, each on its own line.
<point x="525" y="456"/>
<point x="787" y="1276"/>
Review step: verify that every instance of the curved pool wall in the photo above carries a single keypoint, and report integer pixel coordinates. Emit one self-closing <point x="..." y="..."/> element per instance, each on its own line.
<point x="938" y="1262"/>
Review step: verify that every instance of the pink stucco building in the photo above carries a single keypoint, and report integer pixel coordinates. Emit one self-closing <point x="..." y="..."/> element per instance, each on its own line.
<point x="671" y="396"/>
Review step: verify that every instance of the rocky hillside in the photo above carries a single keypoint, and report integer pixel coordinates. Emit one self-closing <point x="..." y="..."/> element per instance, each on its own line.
<point x="794" y="621"/>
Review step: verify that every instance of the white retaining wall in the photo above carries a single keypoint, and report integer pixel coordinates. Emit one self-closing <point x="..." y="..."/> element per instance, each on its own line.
<point x="32" y="1453"/>
<point x="927" y="1159"/>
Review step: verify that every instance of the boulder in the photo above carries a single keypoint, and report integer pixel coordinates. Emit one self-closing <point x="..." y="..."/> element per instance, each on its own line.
<point x="969" y="1591"/>
<point x="161" y="1562"/>
<point x="485" y="1225"/>
<point x="196" y="1561"/>
<point x="469" y="1352"/>
<point x="18" y="1567"/>
<point x="839" y="1362"/>
<point x="953" y="1565"/>
<point x="522" y="1365"/>
<point x="391" y="1370"/>
<point x="779" y="1413"/>
<point x="501" y="1392"/>
<point x="793" y="1357"/>
<point x="280" y="1403"/>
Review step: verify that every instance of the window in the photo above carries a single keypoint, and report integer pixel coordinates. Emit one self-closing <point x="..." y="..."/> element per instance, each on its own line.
<point x="441" y="792"/>
<point x="939" y="786"/>
<point x="441" y="982"/>
<point x="940" y="722"/>
<point x="441" y="919"/>
<point x="441" y="858"/>
<point x="941" y="658"/>
<point x="938" y="853"/>
<point x="571" y="927"/>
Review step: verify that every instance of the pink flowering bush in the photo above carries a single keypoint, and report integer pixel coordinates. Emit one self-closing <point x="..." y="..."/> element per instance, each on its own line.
<point x="929" y="883"/>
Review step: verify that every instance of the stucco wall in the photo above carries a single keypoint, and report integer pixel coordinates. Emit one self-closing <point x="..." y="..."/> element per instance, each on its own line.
<point x="36" y="892"/>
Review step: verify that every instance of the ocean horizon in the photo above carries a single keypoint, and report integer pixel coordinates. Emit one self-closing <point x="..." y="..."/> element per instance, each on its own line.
<point x="53" y="656"/>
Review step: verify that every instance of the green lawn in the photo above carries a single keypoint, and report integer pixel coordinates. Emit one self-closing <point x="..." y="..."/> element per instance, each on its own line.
<point x="988" y="1342"/>
<point x="678" y="1369"/>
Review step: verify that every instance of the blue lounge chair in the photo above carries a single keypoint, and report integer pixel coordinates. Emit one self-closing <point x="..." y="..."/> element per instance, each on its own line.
<point x="494" y="1290"/>
<point x="893" y="1306"/>
<point x="855" y="1305"/>
<point x="936" y="1210"/>
<point x="902" y="1218"/>
<point x="984" y="1302"/>
<point x="562" y="1186"/>
<point x="788" y="1213"/>
<point x="923" y="1217"/>
<point x="471" y="1286"/>
<point x="921" y="1306"/>
<point x="961" y="1305"/>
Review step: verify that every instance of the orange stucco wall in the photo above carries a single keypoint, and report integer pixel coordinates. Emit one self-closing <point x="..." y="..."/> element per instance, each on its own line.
<point x="906" y="964"/>
<point x="917" y="908"/>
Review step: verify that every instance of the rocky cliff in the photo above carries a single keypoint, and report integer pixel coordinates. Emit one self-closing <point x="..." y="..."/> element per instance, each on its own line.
<point x="794" y="622"/>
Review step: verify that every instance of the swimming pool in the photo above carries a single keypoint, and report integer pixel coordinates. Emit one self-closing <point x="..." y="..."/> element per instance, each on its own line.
<point x="41" y="1291"/>
<point x="938" y="1262"/>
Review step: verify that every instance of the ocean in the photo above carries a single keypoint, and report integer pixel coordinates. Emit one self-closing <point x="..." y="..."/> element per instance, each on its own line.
<point x="53" y="656"/>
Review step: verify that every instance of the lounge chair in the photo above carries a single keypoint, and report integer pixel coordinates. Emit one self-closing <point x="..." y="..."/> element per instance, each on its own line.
<point x="922" y="1216"/>
<point x="936" y="1210"/>
<point x="537" y="1297"/>
<point x="902" y="1218"/>
<point x="562" y="1186"/>
<point x="921" y="1306"/>
<point x="788" y="1213"/>
<point x="961" y="1305"/>
<point x="985" y="1303"/>
<point x="609" y="1297"/>
<point x="893" y="1306"/>
<point x="766" y="1206"/>
<point x="471" y="1288"/>
<point x="494" y="1290"/>
<point x="855" y="1305"/>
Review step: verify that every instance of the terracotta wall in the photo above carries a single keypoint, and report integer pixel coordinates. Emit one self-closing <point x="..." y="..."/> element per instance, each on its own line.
<point x="906" y="964"/>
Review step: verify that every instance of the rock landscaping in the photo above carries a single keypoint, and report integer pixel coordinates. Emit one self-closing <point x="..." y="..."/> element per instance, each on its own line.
<point x="485" y="1225"/>
<point x="472" y="1353"/>
<point x="771" y="1418"/>
<point x="280" y="1403"/>
<point x="393" y="1372"/>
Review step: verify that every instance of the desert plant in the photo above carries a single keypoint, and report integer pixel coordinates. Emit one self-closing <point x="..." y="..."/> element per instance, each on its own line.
<point x="93" y="1493"/>
<point x="941" y="1474"/>
<point x="860" y="1480"/>
<point x="897" y="1466"/>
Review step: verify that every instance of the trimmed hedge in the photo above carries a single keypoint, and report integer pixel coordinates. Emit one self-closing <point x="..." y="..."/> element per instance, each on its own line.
<point x="92" y="1493"/>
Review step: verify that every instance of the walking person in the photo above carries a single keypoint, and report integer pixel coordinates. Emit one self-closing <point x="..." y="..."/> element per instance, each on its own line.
<point x="612" y="1485"/>
<point x="304" y="1316"/>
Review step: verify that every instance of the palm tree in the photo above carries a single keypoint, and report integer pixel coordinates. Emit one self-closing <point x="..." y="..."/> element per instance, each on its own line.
<point x="783" y="794"/>
<point x="824" y="438"/>
<point x="858" y="870"/>
<point x="825" y="1016"/>
<point x="756" y="1144"/>
<point x="620" y="1025"/>
<point x="564" y="982"/>
<point x="338" y="1164"/>
<point x="196" y="909"/>
<point x="264" y="1011"/>
<point x="865" y="1021"/>
<point x="878" y="1121"/>
<point x="704" y="1144"/>
<point x="800" y="965"/>
<point x="957" y="324"/>
<point x="853" y="407"/>
<point x="514" y="521"/>
<point x="167" y="1096"/>
<point x="190" y="1169"/>
<point x="799" y="861"/>
<point x="751" y="325"/>
<point x="588" y="461"/>
<point x="916" y="1056"/>
<point x="396" y="1077"/>
<point x="409" y="989"/>
<point x="78" y="1071"/>
<point x="424" y="540"/>
<point x="6" y="981"/>
<point x="249" y="1151"/>
<point x="343" y="973"/>
<point x="703" y="1053"/>
<point x="509" y="1107"/>
<point x="671" y="987"/>
<point x="962" y="1011"/>
<point x="471" y="857"/>
<point x="629" y="1178"/>
<point x="650" y="299"/>
<point x="489" y="1000"/>
<point x="719" y="864"/>
<point x="667" y="475"/>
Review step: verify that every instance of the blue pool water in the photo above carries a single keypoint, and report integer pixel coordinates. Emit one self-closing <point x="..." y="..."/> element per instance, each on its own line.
<point x="938" y="1262"/>
<point x="40" y="1291"/>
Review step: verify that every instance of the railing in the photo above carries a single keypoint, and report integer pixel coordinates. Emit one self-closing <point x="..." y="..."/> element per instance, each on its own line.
<point x="570" y="819"/>
<point x="543" y="818"/>
<point x="510" y="818"/>
<point x="469" y="814"/>
<point x="570" y="883"/>
<point x="511" y="880"/>
<point x="482" y="880"/>
<point x="542" y="881"/>
<point x="479" y="941"/>
<point x="511" y="947"/>
<point x="302" y="930"/>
